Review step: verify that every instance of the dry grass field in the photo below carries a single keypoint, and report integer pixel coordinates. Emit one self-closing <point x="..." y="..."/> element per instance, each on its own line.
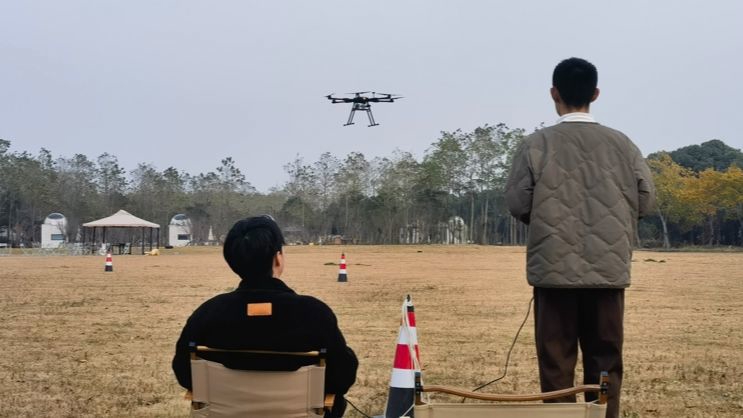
<point x="83" y="343"/>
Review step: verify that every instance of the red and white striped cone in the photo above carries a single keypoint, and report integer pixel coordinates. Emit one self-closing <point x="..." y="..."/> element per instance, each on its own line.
<point x="342" y="275"/>
<point x="109" y="263"/>
<point x="407" y="362"/>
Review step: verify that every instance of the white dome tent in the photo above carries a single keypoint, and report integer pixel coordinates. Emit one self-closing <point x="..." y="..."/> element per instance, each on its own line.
<point x="54" y="231"/>
<point x="179" y="231"/>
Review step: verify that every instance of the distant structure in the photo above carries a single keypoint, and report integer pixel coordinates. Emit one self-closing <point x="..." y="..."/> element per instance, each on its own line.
<point x="179" y="230"/>
<point x="293" y="235"/>
<point x="210" y="239"/>
<point x="413" y="233"/>
<point x="54" y="231"/>
<point x="4" y="237"/>
<point x="452" y="232"/>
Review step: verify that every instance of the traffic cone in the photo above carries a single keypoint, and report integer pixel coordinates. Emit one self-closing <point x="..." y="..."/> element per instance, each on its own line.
<point x="401" y="399"/>
<point x="342" y="275"/>
<point x="109" y="262"/>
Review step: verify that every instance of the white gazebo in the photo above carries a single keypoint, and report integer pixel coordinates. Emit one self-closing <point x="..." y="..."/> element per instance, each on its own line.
<point x="122" y="219"/>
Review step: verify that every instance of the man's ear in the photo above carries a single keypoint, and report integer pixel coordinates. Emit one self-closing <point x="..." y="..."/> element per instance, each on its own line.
<point x="555" y="94"/>
<point x="278" y="264"/>
<point x="278" y="259"/>
<point x="595" y="95"/>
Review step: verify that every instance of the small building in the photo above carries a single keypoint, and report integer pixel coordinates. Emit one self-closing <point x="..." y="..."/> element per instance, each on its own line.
<point x="455" y="231"/>
<point x="179" y="231"/>
<point x="4" y="237"/>
<point x="53" y="231"/>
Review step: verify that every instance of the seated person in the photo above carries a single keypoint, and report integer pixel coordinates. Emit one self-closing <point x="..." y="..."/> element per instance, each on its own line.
<point x="253" y="249"/>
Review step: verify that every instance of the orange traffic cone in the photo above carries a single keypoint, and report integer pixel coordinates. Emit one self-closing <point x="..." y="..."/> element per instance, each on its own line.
<point x="342" y="275"/>
<point x="109" y="262"/>
<point x="401" y="399"/>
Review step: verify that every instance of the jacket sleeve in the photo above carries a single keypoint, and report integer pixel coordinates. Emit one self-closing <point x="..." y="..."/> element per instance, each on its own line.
<point x="645" y="186"/>
<point x="341" y="364"/>
<point x="182" y="358"/>
<point x="520" y="186"/>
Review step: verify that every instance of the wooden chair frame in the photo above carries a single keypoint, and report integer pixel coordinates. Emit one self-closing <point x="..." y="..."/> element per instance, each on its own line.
<point x="602" y="388"/>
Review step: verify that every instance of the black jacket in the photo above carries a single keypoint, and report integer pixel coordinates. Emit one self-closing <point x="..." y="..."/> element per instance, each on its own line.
<point x="297" y="323"/>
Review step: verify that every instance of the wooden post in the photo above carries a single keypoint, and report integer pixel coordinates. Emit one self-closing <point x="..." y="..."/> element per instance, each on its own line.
<point x="604" y="391"/>
<point x="418" y="389"/>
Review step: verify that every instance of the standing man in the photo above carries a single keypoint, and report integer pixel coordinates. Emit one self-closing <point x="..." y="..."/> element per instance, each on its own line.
<point x="285" y="321"/>
<point x="581" y="187"/>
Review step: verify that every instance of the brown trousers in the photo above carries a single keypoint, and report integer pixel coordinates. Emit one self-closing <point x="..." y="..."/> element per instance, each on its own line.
<point x="591" y="318"/>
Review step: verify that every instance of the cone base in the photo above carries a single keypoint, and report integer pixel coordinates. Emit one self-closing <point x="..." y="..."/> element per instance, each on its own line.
<point x="342" y="277"/>
<point x="399" y="402"/>
<point x="109" y="268"/>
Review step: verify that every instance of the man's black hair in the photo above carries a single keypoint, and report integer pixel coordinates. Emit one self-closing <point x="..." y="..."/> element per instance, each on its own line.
<point x="251" y="245"/>
<point x="576" y="80"/>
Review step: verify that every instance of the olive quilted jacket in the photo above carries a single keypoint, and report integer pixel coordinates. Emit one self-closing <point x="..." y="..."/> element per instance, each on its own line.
<point x="581" y="187"/>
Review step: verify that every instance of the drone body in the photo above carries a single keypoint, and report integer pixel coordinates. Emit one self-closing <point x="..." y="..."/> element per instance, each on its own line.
<point x="360" y="102"/>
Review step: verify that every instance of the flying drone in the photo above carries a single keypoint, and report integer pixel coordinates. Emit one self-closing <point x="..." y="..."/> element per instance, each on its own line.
<point x="361" y="102"/>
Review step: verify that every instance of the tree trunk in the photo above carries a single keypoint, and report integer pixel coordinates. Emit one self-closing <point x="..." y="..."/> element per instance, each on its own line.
<point x="485" y="222"/>
<point x="666" y="242"/>
<point x="510" y="231"/>
<point x="711" y="231"/>
<point x="638" y="242"/>
<point x="472" y="217"/>
<point x="10" y="219"/>
<point x="345" y="227"/>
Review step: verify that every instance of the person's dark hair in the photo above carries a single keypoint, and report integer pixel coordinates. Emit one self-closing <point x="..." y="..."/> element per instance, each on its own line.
<point x="576" y="80"/>
<point x="251" y="245"/>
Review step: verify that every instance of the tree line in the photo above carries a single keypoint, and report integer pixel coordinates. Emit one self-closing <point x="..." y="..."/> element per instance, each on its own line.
<point x="453" y="194"/>
<point x="699" y="196"/>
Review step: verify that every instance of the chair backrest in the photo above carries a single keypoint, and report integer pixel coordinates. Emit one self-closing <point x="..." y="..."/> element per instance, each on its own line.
<point x="218" y="391"/>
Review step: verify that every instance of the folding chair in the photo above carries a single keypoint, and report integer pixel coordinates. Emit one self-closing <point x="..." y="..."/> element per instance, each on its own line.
<point x="219" y="391"/>
<point x="511" y="409"/>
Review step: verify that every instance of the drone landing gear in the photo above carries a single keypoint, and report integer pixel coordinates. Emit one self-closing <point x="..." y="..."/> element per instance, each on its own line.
<point x="364" y="107"/>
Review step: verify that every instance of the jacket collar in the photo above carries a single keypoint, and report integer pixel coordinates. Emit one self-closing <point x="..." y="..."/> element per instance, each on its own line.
<point x="264" y="283"/>
<point x="577" y="117"/>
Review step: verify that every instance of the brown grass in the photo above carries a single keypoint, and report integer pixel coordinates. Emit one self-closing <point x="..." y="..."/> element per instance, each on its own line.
<point x="80" y="342"/>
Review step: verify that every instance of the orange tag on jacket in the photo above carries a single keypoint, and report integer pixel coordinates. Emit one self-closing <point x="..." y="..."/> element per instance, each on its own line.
<point x="259" y="309"/>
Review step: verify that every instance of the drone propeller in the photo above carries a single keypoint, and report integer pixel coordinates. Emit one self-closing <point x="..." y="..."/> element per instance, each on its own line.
<point x="359" y="92"/>
<point x="390" y="95"/>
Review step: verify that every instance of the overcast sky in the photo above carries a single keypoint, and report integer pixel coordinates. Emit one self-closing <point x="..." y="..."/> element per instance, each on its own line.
<point x="187" y="83"/>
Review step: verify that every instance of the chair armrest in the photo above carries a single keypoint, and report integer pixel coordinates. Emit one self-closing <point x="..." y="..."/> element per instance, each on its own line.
<point x="329" y="401"/>
<point x="511" y="398"/>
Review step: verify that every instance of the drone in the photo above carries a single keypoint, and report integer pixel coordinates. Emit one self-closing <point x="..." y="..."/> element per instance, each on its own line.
<point x="361" y="102"/>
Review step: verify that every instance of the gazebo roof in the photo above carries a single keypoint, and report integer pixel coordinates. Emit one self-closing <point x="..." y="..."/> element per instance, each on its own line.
<point x="122" y="219"/>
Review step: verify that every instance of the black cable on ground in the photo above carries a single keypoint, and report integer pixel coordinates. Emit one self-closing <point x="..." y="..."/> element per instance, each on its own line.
<point x="508" y="356"/>
<point x="357" y="409"/>
<point x="505" y="370"/>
